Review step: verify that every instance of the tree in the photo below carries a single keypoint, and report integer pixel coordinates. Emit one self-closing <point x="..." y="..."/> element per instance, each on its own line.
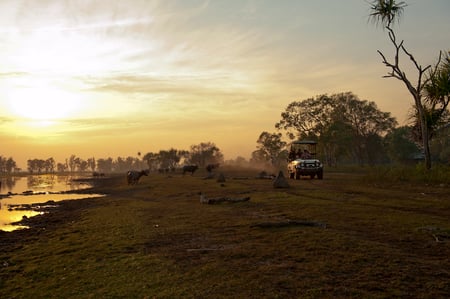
<point x="152" y="160"/>
<point x="83" y="165"/>
<point x="341" y="123"/>
<point x="72" y="163"/>
<point x="92" y="163"/>
<point x="385" y="12"/>
<point x="105" y="165"/>
<point x="205" y="153"/>
<point x="30" y="165"/>
<point x="437" y="96"/>
<point x="306" y="118"/>
<point x="170" y="158"/>
<point x="334" y="140"/>
<point x="50" y="165"/>
<point x="35" y="165"/>
<point x="123" y="164"/>
<point x="62" y="167"/>
<point x="400" y="145"/>
<point x="270" y="148"/>
<point x="2" y="164"/>
<point x="367" y="124"/>
<point x="10" y="165"/>
<point x="441" y="145"/>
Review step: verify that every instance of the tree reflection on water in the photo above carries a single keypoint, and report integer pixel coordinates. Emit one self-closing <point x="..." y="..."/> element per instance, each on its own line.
<point x="40" y="183"/>
<point x="18" y="192"/>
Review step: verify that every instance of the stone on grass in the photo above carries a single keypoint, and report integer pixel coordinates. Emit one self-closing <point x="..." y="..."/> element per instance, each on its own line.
<point x="221" y="178"/>
<point x="280" y="181"/>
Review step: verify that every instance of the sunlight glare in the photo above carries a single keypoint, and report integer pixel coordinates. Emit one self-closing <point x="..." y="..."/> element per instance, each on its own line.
<point x="43" y="103"/>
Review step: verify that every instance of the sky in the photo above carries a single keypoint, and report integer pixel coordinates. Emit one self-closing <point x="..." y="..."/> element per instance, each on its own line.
<point x="114" y="78"/>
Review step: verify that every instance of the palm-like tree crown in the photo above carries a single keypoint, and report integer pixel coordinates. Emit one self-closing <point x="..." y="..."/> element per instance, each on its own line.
<point x="384" y="12"/>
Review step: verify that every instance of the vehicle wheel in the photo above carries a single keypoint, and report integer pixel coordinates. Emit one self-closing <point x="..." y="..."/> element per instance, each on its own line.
<point x="320" y="175"/>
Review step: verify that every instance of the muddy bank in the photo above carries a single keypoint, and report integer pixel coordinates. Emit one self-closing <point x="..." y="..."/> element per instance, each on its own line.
<point x="55" y="214"/>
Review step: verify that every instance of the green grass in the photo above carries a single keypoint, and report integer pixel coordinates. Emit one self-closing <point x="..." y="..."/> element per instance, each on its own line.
<point x="155" y="240"/>
<point x="439" y="174"/>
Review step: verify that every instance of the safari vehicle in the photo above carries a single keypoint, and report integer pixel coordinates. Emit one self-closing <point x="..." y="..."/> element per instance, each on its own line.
<point x="302" y="160"/>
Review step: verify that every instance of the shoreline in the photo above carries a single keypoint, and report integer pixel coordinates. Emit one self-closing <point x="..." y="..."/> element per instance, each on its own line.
<point x="60" y="213"/>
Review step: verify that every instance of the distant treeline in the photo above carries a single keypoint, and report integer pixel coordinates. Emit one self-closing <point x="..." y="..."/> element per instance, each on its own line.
<point x="347" y="130"/>
<point x="201" y="155"/>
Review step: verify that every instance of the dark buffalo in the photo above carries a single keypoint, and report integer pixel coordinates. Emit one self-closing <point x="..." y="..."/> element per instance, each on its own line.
<point x="133" y="176"/>
<point x="190" y="168"/>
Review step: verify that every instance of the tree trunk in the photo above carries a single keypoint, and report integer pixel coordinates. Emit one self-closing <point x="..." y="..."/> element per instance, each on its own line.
<point x="424" y="133"/>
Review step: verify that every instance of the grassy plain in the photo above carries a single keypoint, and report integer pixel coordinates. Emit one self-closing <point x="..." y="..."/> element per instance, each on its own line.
<point x="373" y="239"/>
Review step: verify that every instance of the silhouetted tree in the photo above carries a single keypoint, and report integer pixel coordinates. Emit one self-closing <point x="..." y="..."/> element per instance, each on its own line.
<point x="61" y="167"/>
<point x="35" y="165"/>
<point x="441" y="145"/>
<point x="82" y="165"/>
<point x="10" y="165"/>
<point x="105" y="165"/>
<point x="437" y="98"/>
<point x="169" y="158"/>
<point x="400" y="145"/>
<point x="205" y="153"/>
<point x="2" y="164"/>
<point x="152" y="160"/>
<point x="50" y="165"/>
<point x="341" y="123"/>
<point x="271" y="148"/>
<point x="72" y="163"/>
<point x="7" y="165"/>
<point x="385" y="12"/>
<point x="92" y="163"/>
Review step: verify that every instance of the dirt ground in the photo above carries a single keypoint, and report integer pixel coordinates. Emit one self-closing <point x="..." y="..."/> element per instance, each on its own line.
<point x="341" y="237"/>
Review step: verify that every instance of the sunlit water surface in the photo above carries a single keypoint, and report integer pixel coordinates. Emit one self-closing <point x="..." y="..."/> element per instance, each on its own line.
<point x="43" y="188"/>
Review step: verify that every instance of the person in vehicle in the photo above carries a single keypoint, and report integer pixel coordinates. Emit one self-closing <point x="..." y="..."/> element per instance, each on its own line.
<point x="306" y="154"/>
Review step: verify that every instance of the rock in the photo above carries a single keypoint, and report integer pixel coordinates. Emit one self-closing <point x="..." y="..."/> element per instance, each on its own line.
<point x="209" y="176"/>
<point x="280" y="181"/>
<point x="221" y="178"/>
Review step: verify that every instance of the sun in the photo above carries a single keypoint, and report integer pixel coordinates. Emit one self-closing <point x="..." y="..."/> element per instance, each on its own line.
<point x="43" y="103"/>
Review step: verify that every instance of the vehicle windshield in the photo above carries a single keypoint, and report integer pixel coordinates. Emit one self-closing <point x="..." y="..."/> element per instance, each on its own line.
<point x="302" y="150"/>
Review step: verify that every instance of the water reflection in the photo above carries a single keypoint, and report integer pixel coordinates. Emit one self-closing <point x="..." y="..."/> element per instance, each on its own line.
<point x="34" y="189"/>
<point x="9" y="217"/>
<point x="8" y="183"/>
<point x="40" y="183"/>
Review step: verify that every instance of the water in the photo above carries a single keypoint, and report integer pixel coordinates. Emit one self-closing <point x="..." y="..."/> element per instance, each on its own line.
<point x="39" y="189"/>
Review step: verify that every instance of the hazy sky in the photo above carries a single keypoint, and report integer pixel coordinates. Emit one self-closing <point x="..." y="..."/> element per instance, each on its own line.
<point x="111" y="78"/>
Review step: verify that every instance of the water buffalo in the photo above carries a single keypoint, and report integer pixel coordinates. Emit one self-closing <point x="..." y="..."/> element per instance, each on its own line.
<point x="190" y="168"/>
<point x="133" y="176"/>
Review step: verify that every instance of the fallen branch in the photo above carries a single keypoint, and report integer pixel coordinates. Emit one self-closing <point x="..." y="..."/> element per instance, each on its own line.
<point x="212" y="201"/>
<point x="289" y="223"/>
<point x="203" y="249"/>
<point x="436" y="238"/>
<point x="437" y="233"/>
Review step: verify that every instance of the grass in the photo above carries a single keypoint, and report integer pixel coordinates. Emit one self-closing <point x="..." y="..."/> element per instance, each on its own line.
<point x="439" y="174"/>
<point x="155" y="240"/>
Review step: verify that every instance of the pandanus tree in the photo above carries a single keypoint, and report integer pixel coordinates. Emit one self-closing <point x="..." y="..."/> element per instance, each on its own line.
<point x="437" y="95"/>
<point x="386" y="13"/>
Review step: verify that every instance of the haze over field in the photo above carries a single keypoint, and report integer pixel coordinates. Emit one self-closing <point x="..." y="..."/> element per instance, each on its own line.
<point x="103" y="78"/>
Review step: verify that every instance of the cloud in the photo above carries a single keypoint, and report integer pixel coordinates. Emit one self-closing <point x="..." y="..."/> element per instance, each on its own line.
<point x="12" y="74"/>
